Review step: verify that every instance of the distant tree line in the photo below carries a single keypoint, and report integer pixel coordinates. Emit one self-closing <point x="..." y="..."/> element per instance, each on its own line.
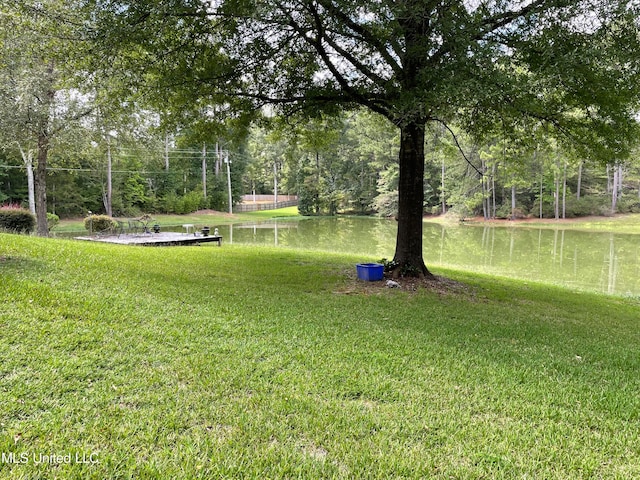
<point x="349" y="164"/>
<point x="340" y="164"/>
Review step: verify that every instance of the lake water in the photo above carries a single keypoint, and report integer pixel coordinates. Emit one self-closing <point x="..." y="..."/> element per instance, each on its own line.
<point x="603" y="262"/>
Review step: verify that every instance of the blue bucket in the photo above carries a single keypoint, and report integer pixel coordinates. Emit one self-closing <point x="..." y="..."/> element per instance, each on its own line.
<point x="370" y="272"/>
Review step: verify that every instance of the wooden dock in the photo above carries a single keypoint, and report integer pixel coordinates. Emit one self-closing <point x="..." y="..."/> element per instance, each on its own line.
<point x="164" y="239"/>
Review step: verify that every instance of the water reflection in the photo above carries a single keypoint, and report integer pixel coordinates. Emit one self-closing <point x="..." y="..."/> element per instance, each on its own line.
<point x="604" y="262"/>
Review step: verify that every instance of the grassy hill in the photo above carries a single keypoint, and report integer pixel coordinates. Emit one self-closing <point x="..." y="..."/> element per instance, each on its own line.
<point x="236" y="362"/>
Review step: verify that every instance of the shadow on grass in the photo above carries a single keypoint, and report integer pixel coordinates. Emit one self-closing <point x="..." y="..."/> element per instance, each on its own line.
<point x="10" y="263"/>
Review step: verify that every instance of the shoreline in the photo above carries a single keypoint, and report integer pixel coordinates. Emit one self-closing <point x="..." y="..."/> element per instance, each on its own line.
<point x="621" y="223"/>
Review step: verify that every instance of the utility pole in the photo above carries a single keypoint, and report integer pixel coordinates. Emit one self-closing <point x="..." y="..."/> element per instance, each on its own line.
<point x="217" y="160"/>
<point x="108" y="205"/>
<point x="166" y="152"/>
<point x="275" y="183"/>
<point x="227" y="161"/>
<point x="204" y="170"/>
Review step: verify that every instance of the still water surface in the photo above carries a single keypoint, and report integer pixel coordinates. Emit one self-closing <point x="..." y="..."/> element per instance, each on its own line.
<point x="603" y="262"/>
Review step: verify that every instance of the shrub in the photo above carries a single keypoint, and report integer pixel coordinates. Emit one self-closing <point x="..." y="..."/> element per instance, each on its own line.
<point x="599" y="205"/>
<point x="52" y="220"/>
<point x="168" y="203"/>
<point x="458" y="212"/>
<point x="587" y="205"/>
<point x="629" y="205"/>
<point x="17" y="220"/>
<point x="386" y="204"/>
<point x="99" y="223"/>
<point x="505" y="212"/>
<point x="190" y="202"/>
<point x="218" y="200"/>
<point x="547" y="208"/>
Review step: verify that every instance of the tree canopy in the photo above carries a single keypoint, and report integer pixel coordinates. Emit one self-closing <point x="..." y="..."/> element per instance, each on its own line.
<point x="485" y="64"/>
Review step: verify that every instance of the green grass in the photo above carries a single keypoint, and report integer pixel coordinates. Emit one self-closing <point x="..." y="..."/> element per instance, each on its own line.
<point x="288" y="212"/>
<point x="235" y="362"/>
<point x="627" y="223"/>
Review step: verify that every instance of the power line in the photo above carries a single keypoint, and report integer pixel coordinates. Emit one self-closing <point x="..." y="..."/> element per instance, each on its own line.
<point x="184" y="155"/>
<point x="95" y="170"/>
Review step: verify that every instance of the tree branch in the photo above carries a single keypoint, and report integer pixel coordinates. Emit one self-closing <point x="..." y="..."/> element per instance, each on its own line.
<point x="455" y="139"/>
<point x="364" y="34"/>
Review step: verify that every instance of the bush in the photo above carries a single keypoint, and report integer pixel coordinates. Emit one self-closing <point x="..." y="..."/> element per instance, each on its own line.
<point x="99" y="223"/>
<point x="598" y="205"/>
<point x="218" y="200"/>
<point x="587" y="205"/>
<point x="547" y="208"/>
<point x="17" y="220"/>
<point x="386" y="204"/>
<point x="458" y="212"/>
<point x="629" y="205"/>
<point x="52" y="220"/>
<point x="192" y="201"/>
<point x="308" y="198"/>
<point x="504" y="212"/>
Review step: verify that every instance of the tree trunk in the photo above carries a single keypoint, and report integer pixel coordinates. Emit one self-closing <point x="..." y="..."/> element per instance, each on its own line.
<point x="275" y="184"/>
<point x="541" y="184"/>
<point x="493" y="191"/>
<point x="109" y="196"/>
<point x="486" y="207"/>
<point x="27" y="158"/>
<point x="31" y="187"/>
<point x="44" y="143"/>
<point x="513" y="202"/>
<point x="444" y="201"/>
<point x="408" y="257"/>
<point x="564" y="191"/>
<point x="317" y="199"/>
<point x="620" y="178"/>
<point x="556" y="195"/>
<point x="485" y="196"/>
<point x="41" y="186"/>
<point x="166" y="152"/>
<point x="579" y="188"/>
<point x="614" y="191"/>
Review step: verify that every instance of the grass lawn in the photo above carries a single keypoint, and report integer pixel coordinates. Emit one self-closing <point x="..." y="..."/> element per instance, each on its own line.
<point x="236" y="362"/>
<point x="626" y="223"/>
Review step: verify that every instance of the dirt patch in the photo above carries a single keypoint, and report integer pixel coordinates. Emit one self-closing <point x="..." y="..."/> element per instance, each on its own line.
<point x="434" y="284"/>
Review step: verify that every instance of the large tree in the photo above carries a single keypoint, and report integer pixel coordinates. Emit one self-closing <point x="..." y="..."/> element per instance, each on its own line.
<point x="568" y="63"/>
<point x="39" y="41"/>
